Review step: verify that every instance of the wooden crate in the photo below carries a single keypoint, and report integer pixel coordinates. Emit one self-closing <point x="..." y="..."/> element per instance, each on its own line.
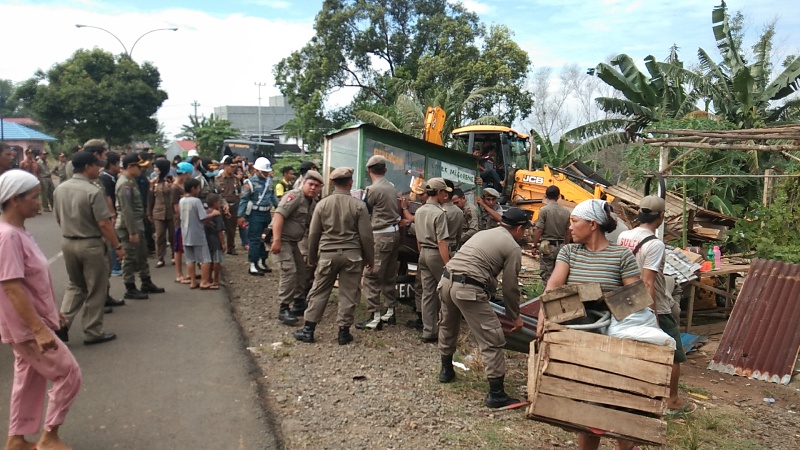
<point x="566" y="303"/>
<point x="582" y="381"/>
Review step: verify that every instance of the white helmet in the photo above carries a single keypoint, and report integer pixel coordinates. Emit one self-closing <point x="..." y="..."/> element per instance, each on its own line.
<point x="191" y="153"/>
<point x="263" y="165"/>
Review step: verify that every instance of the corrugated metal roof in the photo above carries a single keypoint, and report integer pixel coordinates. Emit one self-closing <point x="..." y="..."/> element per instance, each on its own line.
<point x="16" y="132"/>
<point x="762" y="337"/>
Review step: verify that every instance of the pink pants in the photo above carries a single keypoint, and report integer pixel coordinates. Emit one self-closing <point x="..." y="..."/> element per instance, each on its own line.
<point x="32" y="371"/>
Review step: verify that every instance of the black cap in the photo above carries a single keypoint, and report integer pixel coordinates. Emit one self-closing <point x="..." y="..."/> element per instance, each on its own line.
<point x="83" y="159"/>
<point x="135" y="159"/>
<point x="306" y="166"/>
<point x="516" y="217"/>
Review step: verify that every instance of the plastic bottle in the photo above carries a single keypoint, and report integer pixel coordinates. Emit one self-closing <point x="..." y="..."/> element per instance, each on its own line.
<point x="710" y="256"/>
<point x="717" y="257"/>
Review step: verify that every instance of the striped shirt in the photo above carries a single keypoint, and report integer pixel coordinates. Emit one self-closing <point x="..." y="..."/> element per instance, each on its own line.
<point x="607" y="267"/>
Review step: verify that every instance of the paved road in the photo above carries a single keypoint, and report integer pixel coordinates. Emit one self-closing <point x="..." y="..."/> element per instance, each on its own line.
<point x="177" y="377"/>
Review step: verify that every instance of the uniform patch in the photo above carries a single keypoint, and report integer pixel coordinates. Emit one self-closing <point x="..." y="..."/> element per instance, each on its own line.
<point x="127" y="192"/>
<point x="289" y="197"/>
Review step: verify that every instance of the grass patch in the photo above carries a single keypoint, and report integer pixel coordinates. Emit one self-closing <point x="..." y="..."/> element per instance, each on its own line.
<point x="692" y="389"/>
<point x="709" y="430"/>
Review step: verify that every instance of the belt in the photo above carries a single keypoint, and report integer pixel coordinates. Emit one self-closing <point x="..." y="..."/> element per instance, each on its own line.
<point x="389" y="229"/>
<point x="261" y="208"/>
<point x="463" y="279"/>
<point x="429" y="248"/>
<point x="556" y="241"/>
<point x="81" y="238"/>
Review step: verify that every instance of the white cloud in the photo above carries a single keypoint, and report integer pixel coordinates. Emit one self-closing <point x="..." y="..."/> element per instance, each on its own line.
<point x="277" y="4"/>
<point x="476" y="6"/>
<point x="214" y="60"/>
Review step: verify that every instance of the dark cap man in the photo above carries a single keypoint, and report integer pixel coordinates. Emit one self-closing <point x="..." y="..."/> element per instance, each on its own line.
<point x="551" y="233"/>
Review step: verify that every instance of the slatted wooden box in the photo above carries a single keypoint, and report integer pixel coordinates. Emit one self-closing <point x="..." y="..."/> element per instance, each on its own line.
<point x="582" y="381"/>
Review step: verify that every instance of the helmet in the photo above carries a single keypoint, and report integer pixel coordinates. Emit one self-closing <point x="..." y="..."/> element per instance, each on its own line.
<point x="263" y="165"/>
<point x="191" y="153"/>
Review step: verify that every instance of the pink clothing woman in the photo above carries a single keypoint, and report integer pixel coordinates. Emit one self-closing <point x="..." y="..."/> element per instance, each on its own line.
<point x="28" y="317"/>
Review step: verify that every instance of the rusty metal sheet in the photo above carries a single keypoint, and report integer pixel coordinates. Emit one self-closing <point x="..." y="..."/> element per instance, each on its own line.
<point x="762" y="338"/>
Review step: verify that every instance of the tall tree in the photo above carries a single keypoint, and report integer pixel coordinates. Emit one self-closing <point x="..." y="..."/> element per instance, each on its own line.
<point x="377" y="46"/>
<point x="94" y="94"/>
<point x="208" y="133"/>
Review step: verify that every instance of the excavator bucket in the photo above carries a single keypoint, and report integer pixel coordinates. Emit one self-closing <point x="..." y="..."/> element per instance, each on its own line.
<point x="434" y="124"/>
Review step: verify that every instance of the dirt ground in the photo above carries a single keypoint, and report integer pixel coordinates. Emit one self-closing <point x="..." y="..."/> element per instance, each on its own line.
<point x="381" y="391"/>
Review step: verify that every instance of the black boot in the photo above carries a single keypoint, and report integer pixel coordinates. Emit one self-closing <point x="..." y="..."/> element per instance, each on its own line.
<point x="306" y="334"/>
<point x="447" y="374"/>
<point x="373" y="323"/>
<point x="344" y="337"/>
<point x="299" y="306"/>
<point x="134" y="294"/>
<point x="149" y="288"/>
<point x="264" y="268"/>
<point x="416" y="324"/>
<point x="497" y="397"/>
<point x="285" y="315"/>
<point x="63" y="334"/>
<point x="390" y="318"/>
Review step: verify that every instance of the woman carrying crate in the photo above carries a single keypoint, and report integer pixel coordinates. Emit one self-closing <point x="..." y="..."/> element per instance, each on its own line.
<point x="592" y="259"/>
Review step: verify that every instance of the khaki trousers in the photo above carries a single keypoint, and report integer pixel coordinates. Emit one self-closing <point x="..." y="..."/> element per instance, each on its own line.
<point x="347" y="265"/>
<point x="430" y="271"/>
<point x="47" y="193"/>
<point x="547" y="263"/>
<point x="308" y="280"/>
<point x="293" y="269"/>
<point x="88" y="271"/>
<point x="135" y="261"/>
<point x="165" y="231"/>
<point x="471" y="302"/>
<point x="231" y="224"/>
<point x="383" y="277"/>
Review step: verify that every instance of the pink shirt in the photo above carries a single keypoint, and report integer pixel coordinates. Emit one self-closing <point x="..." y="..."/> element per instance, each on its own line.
<point x="23" y="260"/>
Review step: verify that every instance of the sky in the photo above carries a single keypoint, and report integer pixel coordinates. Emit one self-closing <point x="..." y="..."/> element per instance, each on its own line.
<point x="223" y="48"/>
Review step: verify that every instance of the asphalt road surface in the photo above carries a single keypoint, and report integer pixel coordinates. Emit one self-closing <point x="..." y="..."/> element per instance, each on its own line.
<point x="177" y="377"/>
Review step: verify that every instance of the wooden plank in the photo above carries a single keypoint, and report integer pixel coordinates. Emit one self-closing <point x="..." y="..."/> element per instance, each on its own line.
<point x="628" y="299"/>
<point x="590" y="292"/>
<point x="581" y="415"/>
<point x="623" y="347"/>
<point x="605" y="379"/>
<point x="607" y="362"/>
<point x="564" y="309"/>
<point x="574" y="390"/>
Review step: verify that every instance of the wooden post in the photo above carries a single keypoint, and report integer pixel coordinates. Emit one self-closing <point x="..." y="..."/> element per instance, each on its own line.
<point x="663" y="162"/>
<point x="768" y="182"/>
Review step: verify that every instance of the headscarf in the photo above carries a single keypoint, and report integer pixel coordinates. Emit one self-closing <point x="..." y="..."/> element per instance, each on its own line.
<point x="16" y="182"/>
<point x="163" y="168"/>
<point x="593" y="210"/>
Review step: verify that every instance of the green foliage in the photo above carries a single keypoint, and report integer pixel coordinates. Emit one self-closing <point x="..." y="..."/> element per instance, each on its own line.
<point x="10" y="106"/>
<point x="773" y="231"/>
<point x="94" y="94"/>
<point x="420" y="49"/>
<point x="208" y="133"/>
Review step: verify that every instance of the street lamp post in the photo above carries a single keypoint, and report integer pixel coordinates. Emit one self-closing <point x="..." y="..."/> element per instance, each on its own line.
<point x="127" y="53"/>
<point x="260" y="131"/>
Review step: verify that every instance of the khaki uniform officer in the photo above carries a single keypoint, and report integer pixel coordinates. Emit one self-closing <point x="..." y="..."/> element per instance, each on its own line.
<point x="381" y="200"/>
<point x="82" y="212"/>
<point x="430" y="222"/>
<point x="46" y="175"/>
<point x="230" y="188"/>
<point x="472" y="217"/>
<point x="339" y="244"/>
<point x="551" y="227"/>
<point x="289" y="225"/>
<point x="465" y="290"/>
<point x="491" y="211"/>
<point x="421" y="196"/>
<point x="455" y="220"/>
<point x="130" y="229"/>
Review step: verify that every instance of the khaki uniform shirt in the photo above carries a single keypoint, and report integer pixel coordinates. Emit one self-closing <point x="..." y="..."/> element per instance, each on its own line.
<point x="381" y="199"/>
<point x="553" y="220"/>
<point x="79" y="205"/>
<point x="68" y="170"/>
<point x="341" y="222"/>
<point x="471" y="224"/>
<point x="486" y="221"/>
<point x="430" y="223"/>
<point x="130" y="211"/>
<point x="455" y="223"/>
<point x="296" y="210"/>
<point x="159" y="200"/>
<point x="60" y="170"/>
<point x="485" y="256"/>
<point x="229" y="188"/>
<point x="44" y="171"/>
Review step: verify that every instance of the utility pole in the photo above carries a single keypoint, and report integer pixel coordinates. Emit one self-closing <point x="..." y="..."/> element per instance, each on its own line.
<point x="260" y="131"/>
<point x="195" y="104"/>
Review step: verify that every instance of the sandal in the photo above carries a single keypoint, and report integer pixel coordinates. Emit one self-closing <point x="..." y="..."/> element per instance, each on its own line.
<point x="194" y="286"/>
<point x="686" y="409"/>
<point x="210" y="287"/>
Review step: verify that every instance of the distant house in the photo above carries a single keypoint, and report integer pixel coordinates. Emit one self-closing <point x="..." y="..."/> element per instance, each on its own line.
<point x="180" y="148"/>
<point x="274" y="116"/>
<point x="22" y="137"/>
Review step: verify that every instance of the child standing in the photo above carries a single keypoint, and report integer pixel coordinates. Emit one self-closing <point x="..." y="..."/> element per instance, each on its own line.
<point x="215" y="236"/>
<point x="184" y="172"/>
<point x="195" y="245"/>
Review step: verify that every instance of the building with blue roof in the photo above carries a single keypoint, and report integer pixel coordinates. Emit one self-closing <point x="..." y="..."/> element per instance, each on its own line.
<point x="17" y="135"/>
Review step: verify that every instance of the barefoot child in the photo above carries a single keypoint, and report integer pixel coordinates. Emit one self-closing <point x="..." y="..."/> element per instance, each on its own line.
<point x="184" y="171"/>
<point x="215" y="236"/>
<point x="195" y="245"/>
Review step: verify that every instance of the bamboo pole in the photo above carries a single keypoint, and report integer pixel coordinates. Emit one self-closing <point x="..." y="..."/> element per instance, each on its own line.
<point x="797" y="175"/>
<point x="791" y="156"/>
<point x="768" y="182"/>
<point x="746" y="147"/>
<point x="726" y="133"/>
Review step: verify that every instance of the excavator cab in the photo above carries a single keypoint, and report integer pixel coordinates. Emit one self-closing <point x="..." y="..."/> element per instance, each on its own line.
<point x="501" y="152"/>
